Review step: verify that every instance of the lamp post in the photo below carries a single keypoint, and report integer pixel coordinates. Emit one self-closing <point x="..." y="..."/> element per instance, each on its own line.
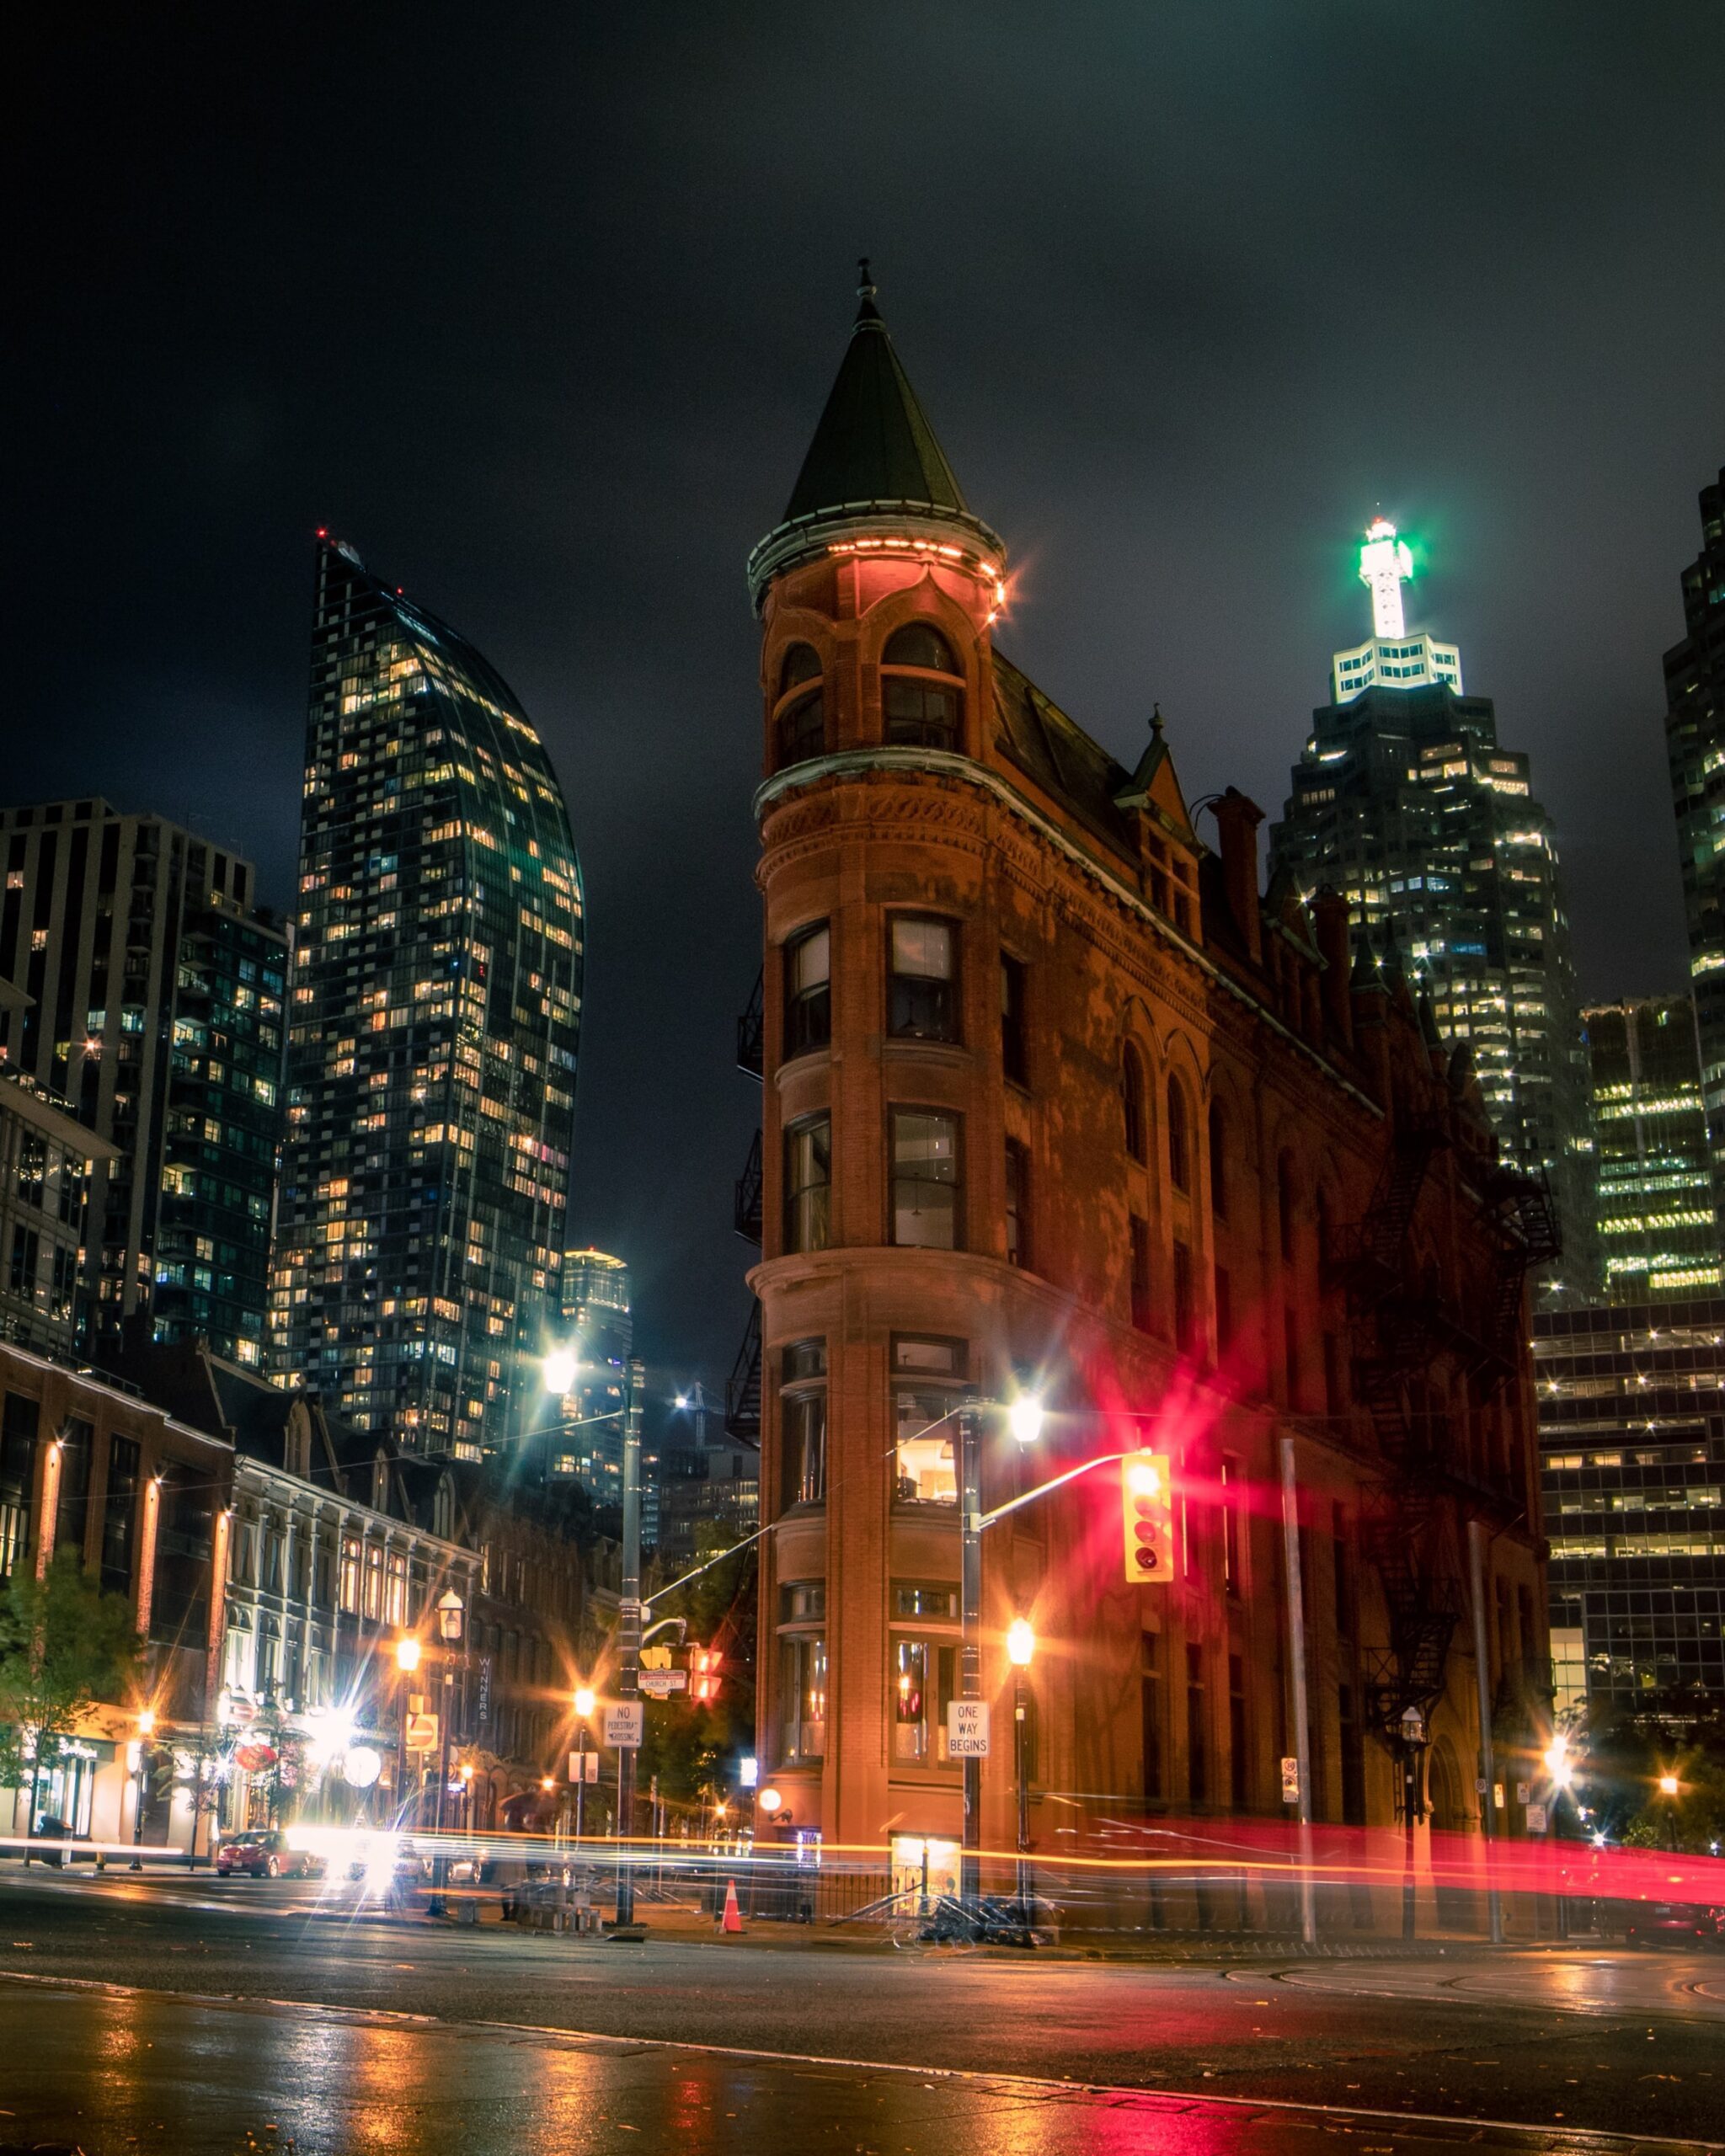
<point x="406" y="1661"/>
<point x="585" y="1701"/>
<point x="1560" y="1769"/>
<point x="1413" y="1732"/>
<point x="450" y="1610"/>
<point x="147" y="1723"/>
<point x="1021" y="1646"/>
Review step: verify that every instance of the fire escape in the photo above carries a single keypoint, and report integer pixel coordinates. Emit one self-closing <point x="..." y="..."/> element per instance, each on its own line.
<point x="1400" y="1324"/>
<point x="742" y="1393"/>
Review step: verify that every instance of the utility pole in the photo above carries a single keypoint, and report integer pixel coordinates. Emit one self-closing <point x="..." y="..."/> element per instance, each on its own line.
<point x="629" y="1614"/>
<point x="970" y="1651"/>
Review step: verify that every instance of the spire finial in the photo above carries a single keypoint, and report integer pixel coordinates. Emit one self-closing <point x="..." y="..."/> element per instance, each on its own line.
<point x="866" y="310"/>
<point x="1155" y="720"/>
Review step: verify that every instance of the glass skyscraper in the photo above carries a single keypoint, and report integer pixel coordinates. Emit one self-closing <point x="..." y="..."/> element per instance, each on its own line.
<point x="155" y="988"/>
<point x="1695" y="745"/>
<point x="433" y="1026"/>
<point x="1655" y="1209"/>
<point x="1404" y="800"/>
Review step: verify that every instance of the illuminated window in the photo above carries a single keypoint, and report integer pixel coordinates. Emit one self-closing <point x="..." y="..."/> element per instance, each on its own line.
<point x="926" y="1397"/>
<point x="922" y="1001"/>
<point x="809" y="991"/>
<point x="925" y="1179"/>
<point x="807" y="1183"/>
<point x="804" y="1423"/>
<point x="921" y="711"/>
<point x="802" y="1697"/>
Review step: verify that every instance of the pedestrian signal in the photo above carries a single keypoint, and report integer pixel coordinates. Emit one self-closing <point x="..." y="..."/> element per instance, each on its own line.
<point x="1147" y="1512"/>
<point x="703" y="1675"/>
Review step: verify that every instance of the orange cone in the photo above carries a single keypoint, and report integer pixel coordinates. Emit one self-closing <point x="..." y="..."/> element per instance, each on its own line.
<point x="732" y="1919"/>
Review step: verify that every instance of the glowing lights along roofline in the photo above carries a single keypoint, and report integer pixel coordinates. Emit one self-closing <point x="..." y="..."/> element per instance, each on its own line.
<point x="923" y="528"/>
<point x="1394" y="657"/>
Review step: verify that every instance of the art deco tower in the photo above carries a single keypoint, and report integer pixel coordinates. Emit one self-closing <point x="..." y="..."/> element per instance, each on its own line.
<point x="433" y="1028"/>
<point x="1406" y="802"/>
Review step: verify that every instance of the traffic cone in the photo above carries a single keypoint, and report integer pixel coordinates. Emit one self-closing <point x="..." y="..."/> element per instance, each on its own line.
<point x="732" y="1920"/>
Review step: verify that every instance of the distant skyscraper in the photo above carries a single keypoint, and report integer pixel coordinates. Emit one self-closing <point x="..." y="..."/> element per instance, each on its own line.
<point x="432" y="1037"/>
<point x="1658" y="1234"/>
<point x="155" y="993"/>
<point x="596" y="1308"/>
<point x="1695" y="743"/>
<point x="1405" y="801"/>
<point x="1631" y="1408"/>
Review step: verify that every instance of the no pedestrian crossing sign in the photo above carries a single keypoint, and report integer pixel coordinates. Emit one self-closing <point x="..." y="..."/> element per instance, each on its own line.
<point x="967" y="1729"/>
<point x="625" y="1724"/>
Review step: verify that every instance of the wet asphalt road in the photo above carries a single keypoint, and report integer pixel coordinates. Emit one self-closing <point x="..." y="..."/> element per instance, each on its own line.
<point x="190" y="2015"/>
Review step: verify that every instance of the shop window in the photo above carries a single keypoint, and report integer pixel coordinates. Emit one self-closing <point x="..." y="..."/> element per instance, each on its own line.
<point x="802" y="1697"/>
<point x="922" y="1679"/>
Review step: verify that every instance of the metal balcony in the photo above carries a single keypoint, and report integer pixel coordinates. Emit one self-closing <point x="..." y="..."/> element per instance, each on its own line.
<point x="745" y="1215"/>
<point x="742" y="1395"/>
<point x="751" y="1031"/>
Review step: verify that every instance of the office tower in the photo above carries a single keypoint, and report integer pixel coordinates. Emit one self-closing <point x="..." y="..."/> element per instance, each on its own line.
<point x="432" y="1033"/>
<point x="1405" y="800"/>
<point x="1694" y="745"/>
<point x="155" y="988"/>
<point x="600" y="1332"/>
<point x="709" y="1494"/>
<point x="1631" y="1409"/>
<point x="1656" y="1227"/>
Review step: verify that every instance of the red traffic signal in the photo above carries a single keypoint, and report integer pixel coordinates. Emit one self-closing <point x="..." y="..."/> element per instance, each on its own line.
<point x="703" y="1675"/>
<point x="1147" y="1510"/>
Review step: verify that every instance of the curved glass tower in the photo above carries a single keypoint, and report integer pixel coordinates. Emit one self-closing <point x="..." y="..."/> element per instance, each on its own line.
<point x="433" y="1026"/>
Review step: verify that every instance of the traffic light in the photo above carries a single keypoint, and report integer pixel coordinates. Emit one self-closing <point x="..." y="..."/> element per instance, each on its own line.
<point x="703" y="1675"/>
<point x="1147" y="1516"/>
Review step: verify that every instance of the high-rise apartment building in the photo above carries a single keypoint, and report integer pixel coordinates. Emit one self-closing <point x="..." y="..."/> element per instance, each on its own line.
<point x="1405" y="800"/>
<point x="156" y="990"/>
<point x="1631" y="1408"/>
<point x="1695" y="745"/>
<point x="601" y="1404"/>
<point x="1654" y="1207"/>
<point x="432" y="1032"/>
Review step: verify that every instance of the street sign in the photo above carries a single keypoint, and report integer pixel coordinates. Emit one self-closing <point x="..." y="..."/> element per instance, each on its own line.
<point x="625" y="1724"/>
<point x="1535" y="1818"/>
<point x="583" y="1766"/>
<point x="967" y="1729"/>
<point x="421" y="1733"/>
<point x="1521" y="1792"/>
<point x="1290" y="1781"/>
<point x="661" y="1684"/>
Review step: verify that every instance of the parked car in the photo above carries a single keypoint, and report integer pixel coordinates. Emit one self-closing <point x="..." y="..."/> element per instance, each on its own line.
<point x="1675" y="1924"/>
<point x="263" y="1851"/>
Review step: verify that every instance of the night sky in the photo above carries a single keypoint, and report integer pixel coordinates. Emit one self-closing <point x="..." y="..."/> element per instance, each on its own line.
<point x="538" y="306"/>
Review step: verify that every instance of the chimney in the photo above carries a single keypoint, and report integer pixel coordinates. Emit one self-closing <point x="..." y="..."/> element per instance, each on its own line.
<point x="1329" y="914"/>
<point x="1237" y="820"/>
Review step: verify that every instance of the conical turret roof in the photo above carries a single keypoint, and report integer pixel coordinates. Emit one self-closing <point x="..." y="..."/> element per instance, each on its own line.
<point x="873" y="443"/>
<point x="874" y="468"/>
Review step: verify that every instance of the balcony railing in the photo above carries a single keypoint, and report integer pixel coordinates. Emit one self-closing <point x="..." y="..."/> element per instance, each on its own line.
<point x="751" y="1031"/>
<point x="742" y="1395"/>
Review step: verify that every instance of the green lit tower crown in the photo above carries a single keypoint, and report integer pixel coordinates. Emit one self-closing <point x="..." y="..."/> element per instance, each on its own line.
<point x="1404" y="799"/>
<point x="433" y="1027"/>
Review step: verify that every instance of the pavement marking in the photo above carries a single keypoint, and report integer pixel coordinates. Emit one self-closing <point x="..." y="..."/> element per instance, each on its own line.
<point x="1479" y="1987"/>
<point x="1022" y="2085"/>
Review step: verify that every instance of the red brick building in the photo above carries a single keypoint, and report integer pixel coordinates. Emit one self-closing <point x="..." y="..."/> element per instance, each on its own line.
<point x="1055" y="1099"/>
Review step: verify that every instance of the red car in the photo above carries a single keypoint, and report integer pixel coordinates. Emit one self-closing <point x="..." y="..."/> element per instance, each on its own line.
<point x="264" y="1852"/>
<point x="1676" y="1923"/>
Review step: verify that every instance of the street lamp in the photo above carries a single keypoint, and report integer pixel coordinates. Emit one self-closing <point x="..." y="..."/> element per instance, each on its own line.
<point x="561" y="1367"/>
<point x="147" y="1724"/>
<point x="1021" y="1646"/>
<point x="406" y="1661"/>
<point x="450" y="1612"/>
<point x="586" y="1700"/>
<point x="1025" y="1418"/>
<point x="1668" y="1785"/>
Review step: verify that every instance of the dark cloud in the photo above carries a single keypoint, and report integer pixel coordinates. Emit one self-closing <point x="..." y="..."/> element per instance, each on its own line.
<point x="539" y="308"/>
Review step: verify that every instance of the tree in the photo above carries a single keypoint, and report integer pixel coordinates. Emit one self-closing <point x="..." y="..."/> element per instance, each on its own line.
<point x="64" y="1647"/>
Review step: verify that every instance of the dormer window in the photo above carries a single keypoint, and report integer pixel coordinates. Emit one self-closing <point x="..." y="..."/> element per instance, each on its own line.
<point x="800" y="713"/>
<point x="922" y="690"/>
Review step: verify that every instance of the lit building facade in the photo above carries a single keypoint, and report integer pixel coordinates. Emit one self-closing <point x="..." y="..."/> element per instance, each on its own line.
<point x="601" y="1333"/>
<point x="1405" y="800"/>
<point x="45" y="1161"/>
<point x="1656" y="1227"/>
<point x="1695" y="746"/>
<point x="156" y="990"/>
<point x="1054" y="1097"/>
<point x="432" y="1033"/>
<point x="1632" y="1411"/>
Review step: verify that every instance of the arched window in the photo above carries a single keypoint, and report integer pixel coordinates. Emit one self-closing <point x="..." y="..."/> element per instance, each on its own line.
<point x="922" y="712"/>
<point x="1219" y="1163"/>
<point x="1132" y="1100"/>
<point x="799" y="723"/>
<point x="1284" y="1205"/>
<point x="1179" y="1138"/>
